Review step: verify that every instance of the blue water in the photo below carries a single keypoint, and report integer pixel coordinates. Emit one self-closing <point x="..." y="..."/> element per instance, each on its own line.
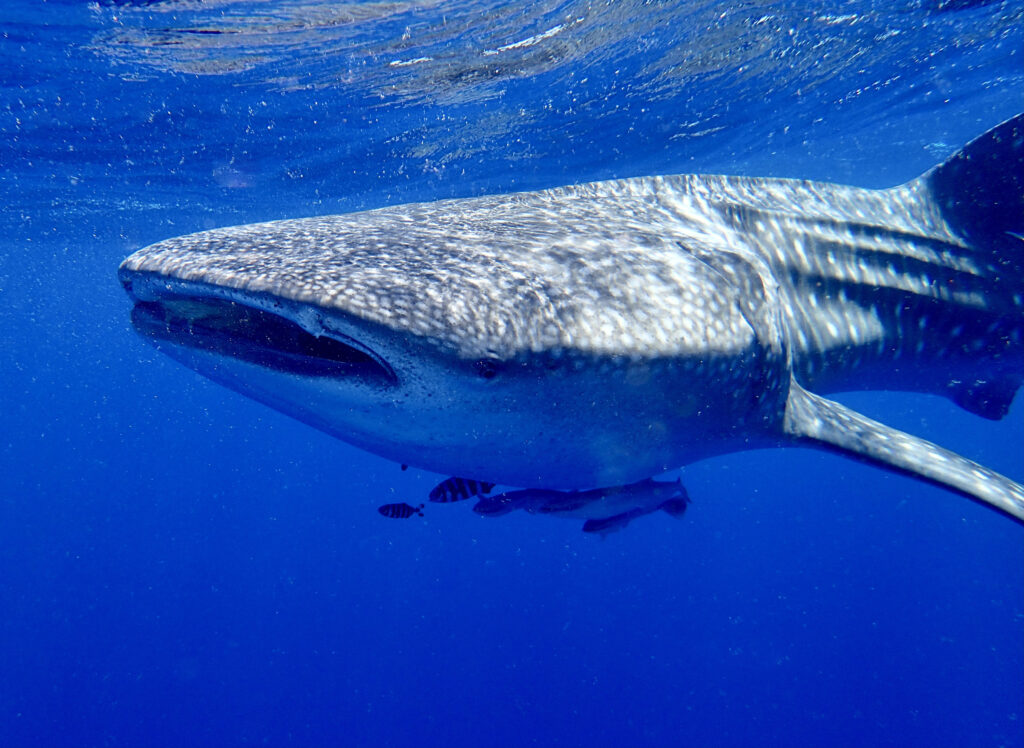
<point x="182" y="566"/>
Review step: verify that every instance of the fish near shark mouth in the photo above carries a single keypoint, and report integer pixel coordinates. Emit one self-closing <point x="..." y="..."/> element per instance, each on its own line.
<point x="231" y="328"/>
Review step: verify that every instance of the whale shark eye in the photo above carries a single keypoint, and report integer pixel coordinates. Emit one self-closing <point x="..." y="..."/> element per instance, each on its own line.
<point x="486" y="368"/>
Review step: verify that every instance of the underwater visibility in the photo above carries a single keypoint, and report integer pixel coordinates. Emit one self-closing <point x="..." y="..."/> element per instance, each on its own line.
<point x="511" y="373"/>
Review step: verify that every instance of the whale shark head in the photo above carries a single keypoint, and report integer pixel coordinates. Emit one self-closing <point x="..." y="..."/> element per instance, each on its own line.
<point x="477" y="337"/>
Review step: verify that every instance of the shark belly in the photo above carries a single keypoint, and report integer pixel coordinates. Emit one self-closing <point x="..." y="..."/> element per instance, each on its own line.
<point x="579" y="424"/>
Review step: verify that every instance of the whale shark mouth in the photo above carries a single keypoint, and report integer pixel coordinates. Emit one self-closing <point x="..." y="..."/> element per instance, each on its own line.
<point x="233" y="329"/>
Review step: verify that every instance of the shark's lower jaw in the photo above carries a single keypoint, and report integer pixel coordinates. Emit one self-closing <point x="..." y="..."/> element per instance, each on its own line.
<point x="232" y="329"/>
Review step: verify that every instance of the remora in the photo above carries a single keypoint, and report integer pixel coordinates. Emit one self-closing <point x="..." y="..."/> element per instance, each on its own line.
<point x="598" y="334"/>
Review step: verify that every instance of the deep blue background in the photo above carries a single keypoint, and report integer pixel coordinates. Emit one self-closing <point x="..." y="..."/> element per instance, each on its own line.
<point x="180" y="566"/>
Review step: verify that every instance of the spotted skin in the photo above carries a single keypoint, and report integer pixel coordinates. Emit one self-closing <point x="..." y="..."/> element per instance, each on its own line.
<point x="598" y="334"/>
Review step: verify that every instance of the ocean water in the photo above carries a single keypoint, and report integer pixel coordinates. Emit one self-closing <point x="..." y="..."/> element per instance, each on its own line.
<point x="182" y="566"/>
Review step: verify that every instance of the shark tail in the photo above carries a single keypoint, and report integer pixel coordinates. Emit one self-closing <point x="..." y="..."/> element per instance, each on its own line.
<point x="816" y="421"/>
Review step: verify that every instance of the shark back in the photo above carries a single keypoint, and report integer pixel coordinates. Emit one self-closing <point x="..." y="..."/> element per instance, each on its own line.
<point x="944" y="301"/>
<point x="917" y="288"/>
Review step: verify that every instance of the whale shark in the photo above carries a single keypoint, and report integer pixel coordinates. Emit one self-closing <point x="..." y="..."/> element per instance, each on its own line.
<point x="599" y="334"/>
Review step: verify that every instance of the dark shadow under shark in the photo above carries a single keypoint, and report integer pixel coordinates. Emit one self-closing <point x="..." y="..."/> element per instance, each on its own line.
<point x="596" y="335"/>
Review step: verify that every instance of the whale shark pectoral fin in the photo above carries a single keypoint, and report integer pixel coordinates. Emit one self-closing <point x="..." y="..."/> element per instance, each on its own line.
<point x="817" y="421"/>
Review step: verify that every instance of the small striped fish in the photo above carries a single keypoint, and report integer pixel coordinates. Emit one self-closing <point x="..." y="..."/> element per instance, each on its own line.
<point x="400" y="511"/>
<point x="458" y="489"/>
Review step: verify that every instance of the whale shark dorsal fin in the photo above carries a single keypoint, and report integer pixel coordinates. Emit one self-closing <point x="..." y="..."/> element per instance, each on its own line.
<point x="980" y="190"/>
<point x="816" y="421"/>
